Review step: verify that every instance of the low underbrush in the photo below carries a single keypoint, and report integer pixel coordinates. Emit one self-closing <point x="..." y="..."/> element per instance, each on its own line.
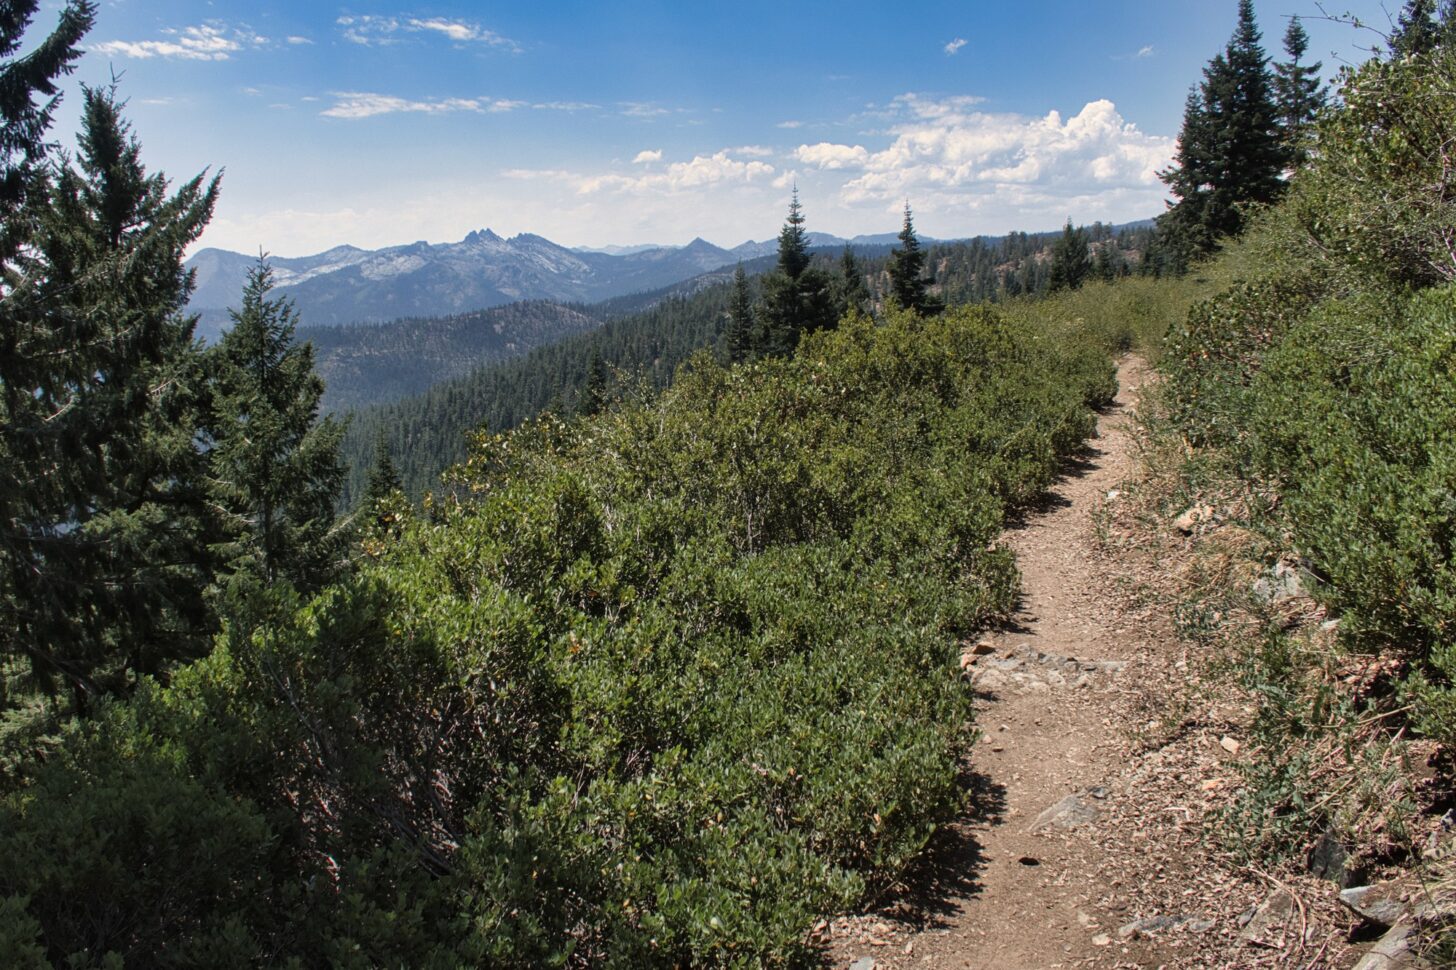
<point x="658" y="688"/>
<point x="1310" y="414"/>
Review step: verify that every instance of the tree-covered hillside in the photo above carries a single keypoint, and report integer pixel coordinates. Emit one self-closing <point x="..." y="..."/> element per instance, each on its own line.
<point x="368" y="364"/>
<point x="645" y="340"/>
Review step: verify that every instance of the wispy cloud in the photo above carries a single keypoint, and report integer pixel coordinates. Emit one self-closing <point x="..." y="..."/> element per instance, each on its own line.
<point x="354" y="105"/>
<point x="212" y="41"/>
<point x="789" y="124"/>
<point x="648" y="155"/>
<point x="374" y="31"/>
<point x="1142" y="54"/>
<point x="565" y="106"/>
<point x="954" y="46"/>
<point x="1146" y="51"/>
<point x="702" y="172"/>
<point x="752" y="151"/>
<point x="297" y="40"/>
<point x="642" y="109"/>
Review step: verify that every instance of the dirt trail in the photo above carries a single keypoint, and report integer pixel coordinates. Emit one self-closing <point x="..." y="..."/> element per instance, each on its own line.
<point x="1057" y="689"/>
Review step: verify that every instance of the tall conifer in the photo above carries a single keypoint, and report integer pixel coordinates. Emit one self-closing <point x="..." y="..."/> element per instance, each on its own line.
<point x="1071" y="260"/>
<point x="101" y="530"/>
<point x="908" y="285"/>
<point x="738" y="338"/>
<point x="797" y="298"/>
<point x="274" y="468"/>
<point x="1299" y="93"/>
<point x="1416" y="31"/>
<point x="1231" y="152"/>
<point x="23" y="122"/>
<point x="854" y="293"/>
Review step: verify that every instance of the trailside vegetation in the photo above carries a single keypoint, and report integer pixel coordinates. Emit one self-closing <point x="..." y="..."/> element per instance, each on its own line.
<point x="1314" y="403"/>
<point x="658" y="687"/>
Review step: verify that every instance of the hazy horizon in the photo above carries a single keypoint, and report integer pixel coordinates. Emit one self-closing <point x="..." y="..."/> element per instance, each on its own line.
<point x="377" y="126"/>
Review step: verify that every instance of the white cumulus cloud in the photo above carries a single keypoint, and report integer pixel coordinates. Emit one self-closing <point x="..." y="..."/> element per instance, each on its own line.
<point x="205" y="42"/>
<point x="831" y="156"/>
<point x="648" y="155"/>
<point x="948" y="154"/>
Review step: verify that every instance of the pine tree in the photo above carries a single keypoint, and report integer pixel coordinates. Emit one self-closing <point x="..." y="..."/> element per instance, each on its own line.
<point x="593" y="395"/>
<point x="102" y="551"/>
<point x="1071" y="260"/>
<point x="274" y="469"/>
<point x="1299" y="93"/>
<point x="1108" y="264"/>
<point x="1416" y="31"/>
<point x="908" y="286"/>
<point x="854" y="292"/>
<point x="738" y="339"/>
<point x="23" y="122"/>
<point x="1231" y="152"/>
<point x="797" y="298"/>
<point x="384" y="480"/>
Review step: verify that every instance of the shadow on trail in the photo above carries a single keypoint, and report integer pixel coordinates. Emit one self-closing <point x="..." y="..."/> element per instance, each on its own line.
<point x="934" y="889"/>
<point x="1079" y="464"/>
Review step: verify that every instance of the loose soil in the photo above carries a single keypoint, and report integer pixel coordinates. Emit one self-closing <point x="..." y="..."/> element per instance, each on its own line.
<point x="1090" y="712"/>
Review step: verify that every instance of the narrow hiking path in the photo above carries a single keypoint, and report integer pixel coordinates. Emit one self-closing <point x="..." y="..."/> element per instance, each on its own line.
<point x="1067" y="838"/>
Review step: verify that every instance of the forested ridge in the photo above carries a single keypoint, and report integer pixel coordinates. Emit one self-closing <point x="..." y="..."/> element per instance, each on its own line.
<point x="642" y="344"/>
<point x="667" y="670"/>
<point x="364" y="364"/>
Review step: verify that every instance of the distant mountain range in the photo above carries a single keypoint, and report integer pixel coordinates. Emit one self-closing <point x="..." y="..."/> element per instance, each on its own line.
<point x="347" y="285"/>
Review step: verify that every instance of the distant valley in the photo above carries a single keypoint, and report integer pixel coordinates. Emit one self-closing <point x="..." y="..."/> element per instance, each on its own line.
<point x="347" y="285"/>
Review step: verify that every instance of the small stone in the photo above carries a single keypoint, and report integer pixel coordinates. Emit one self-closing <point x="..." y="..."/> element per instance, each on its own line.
<point x="1149" y="925"/>
<point x="1273" y="912"/>
<point x="983" y="648"/>
<point x="1229" y="744"/>
<point x="1068" y="813"/>
<point x="1101" y="939"/>
<point x="1279" y="585"/>
<point x="1392" y="952"/>
<point x="1327" y="860"/>
<point x="909" y="950"/>
<point x="1378" y="904"/>
<point x="1113" y="495"/>
<point x="990" y="680"/>
<point x="1192" y="518"/>
<point x="863" y="963"/>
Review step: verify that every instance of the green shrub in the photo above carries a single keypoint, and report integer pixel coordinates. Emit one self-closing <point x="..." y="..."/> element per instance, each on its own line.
<point x="660" y="688"/>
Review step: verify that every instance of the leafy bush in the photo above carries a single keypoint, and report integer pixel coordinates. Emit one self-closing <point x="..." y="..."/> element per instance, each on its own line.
<point x="1356" y="416"/>
<point x="666" y="687"/>
<point x="1321" y="388"/>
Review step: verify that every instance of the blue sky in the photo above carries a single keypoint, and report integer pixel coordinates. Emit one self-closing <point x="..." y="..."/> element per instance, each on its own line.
<point x="379" y="123"/>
